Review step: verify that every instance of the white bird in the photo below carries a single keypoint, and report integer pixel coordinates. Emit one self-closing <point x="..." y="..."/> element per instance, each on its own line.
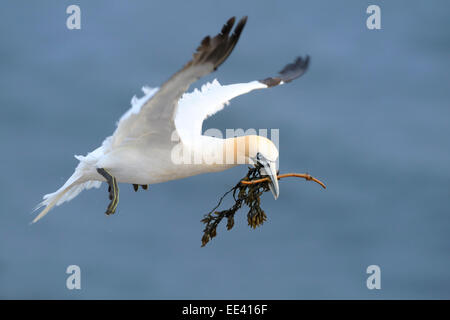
<point x="156" y="140"/>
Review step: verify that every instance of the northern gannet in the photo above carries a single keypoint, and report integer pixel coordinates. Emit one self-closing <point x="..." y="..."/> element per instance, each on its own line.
<point x="167" y="122"/>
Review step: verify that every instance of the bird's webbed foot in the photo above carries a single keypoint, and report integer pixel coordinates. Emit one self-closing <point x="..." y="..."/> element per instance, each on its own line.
<point x="143" y="186"/>
<point x="113" y="190"/>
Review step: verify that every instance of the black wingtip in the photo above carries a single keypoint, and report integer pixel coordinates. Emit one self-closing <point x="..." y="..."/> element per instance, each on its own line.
<point x="240" y="26"/>
<point x="205" y="41"/>
<point x="294" y="70"/>
<point x="228" y="26"/>
<point x="217" y="49"/>
<point x="290" y="72"/>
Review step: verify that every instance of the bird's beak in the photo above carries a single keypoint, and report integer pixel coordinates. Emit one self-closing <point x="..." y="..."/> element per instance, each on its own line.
<point x="271" y="171"/>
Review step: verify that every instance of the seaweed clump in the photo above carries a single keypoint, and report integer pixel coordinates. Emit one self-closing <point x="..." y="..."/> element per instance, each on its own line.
<point x="248" y="194"/>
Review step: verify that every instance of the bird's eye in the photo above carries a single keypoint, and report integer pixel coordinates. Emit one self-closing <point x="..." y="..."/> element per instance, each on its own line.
<point x="258" y="156"/>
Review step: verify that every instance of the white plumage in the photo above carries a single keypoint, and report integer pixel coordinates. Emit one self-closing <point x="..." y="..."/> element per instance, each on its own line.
<point x="196" y="106"/>
<point x="141" y="149"/>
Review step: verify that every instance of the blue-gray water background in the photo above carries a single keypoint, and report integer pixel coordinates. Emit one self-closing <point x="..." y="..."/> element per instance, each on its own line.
<point x="371" y="118"/>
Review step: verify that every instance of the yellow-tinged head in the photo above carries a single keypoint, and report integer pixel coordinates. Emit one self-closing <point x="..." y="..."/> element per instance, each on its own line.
<point x="254" y="150"/>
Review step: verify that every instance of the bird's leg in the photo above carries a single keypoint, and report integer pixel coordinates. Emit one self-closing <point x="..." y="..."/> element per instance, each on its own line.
<point x="113" y="190"/>
<point x="143" y="186"/>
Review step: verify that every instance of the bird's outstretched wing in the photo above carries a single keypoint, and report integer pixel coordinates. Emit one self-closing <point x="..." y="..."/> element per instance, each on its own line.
<point x="156" y="115"/>
<point x="198" y="105"/>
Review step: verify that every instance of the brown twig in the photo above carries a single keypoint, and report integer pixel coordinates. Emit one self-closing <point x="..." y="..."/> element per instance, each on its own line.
<point x="298" y="175"/>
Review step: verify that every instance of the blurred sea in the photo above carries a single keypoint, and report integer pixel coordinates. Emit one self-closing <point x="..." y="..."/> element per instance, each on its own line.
<point x="371" y="118"/>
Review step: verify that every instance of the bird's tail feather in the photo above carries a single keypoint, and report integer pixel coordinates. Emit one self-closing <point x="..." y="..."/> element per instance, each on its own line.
<point x="50" y="200"/>
<point x="73" y="186"/>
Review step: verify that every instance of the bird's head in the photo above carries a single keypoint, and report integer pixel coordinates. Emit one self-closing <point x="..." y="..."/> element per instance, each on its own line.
<point x="260" y="151"/>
